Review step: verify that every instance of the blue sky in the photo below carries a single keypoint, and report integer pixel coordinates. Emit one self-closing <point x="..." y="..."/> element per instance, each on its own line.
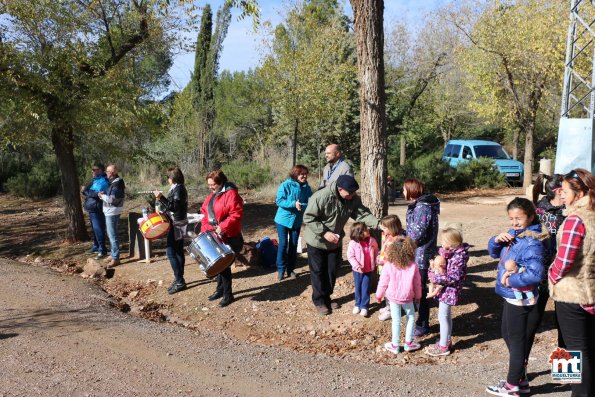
<point x="241" y="46"/>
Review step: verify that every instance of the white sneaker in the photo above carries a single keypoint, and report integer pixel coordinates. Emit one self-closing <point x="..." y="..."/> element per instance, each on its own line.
<point x="363" y="313"/>
<point x="355" y="310"/>
<point x="384" y="316"/>
<point x="388" y="346"/>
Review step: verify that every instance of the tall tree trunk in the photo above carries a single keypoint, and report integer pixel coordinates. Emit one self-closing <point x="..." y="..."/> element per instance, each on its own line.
<point x="294" y="146"/>
<point x="403" y="152"/>
<point x="369" y="32"/>
<point x="528" y="162"/>
<point x="515" y="144"/>
<point x="62" y="141"/>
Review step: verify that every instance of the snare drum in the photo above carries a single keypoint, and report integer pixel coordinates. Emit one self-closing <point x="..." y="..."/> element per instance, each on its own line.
<point x="155" y="226"/>
<point x="211" y="253"/>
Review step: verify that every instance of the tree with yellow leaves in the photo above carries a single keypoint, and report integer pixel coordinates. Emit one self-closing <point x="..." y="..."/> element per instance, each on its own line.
<point x="514" y="60"/>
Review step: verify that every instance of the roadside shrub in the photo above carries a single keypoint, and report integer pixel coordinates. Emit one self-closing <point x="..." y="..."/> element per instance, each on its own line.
<point x="481" y="173"/>
<point x="436" y="174"/>
<point x="42" y="181"/>
<point x="439" y="176"/>
<point x="10" y="165"/>
<point x="247" y="175"/>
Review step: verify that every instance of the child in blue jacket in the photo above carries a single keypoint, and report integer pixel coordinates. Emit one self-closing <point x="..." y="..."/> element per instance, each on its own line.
<point x="524" y="244"/>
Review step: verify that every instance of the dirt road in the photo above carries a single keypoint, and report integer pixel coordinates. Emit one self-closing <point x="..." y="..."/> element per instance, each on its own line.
<point x="61" y="335"/>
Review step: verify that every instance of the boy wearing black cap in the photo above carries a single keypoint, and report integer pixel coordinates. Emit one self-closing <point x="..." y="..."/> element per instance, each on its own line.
<point x="324" y="219"/>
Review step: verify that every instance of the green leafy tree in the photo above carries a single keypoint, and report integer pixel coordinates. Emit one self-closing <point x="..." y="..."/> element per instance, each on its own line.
<point x="74" y="71"/>
<point x="69" y="69"/>
<point x="515" y="61"/>
<point x="206" y="64"/>
<point x="310" y="69"/>
<point x="244" y="115"/>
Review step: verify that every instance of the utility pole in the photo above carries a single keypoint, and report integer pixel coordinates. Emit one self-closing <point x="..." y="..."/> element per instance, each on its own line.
<point x="575" y="135"/>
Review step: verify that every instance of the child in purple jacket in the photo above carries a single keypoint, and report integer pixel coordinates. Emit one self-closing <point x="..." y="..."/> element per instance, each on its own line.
<point x="456" y="254"/>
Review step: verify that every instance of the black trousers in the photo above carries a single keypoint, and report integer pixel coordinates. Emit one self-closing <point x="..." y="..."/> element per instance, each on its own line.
<point x="175" y="253"/>
<point x="578" y="331"/>
<point x="423" y="314"/>
<point x="323" y="273"/>
<point x="519" y="324"/>
<point x="224" y="282"/>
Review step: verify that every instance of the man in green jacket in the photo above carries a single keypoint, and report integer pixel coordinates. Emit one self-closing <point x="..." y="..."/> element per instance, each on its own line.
<point x="324" y="219"/>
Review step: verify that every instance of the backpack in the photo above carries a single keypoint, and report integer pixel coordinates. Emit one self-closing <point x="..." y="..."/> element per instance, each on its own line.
<point x="268" y="252"/>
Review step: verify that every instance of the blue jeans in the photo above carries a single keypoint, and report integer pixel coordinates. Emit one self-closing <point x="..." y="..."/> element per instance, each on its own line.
<point x="287" y="249"/>
<point x="362" y="289"/>
<point x="111" y="221"/>
<point x="395" y="312"/>
<point x="98" y="225"/>
<point x="175" y="253"/>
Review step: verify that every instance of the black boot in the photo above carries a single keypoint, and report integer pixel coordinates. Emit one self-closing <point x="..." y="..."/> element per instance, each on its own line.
<point x="227" y="300"/>
<point x="216" y="295"/>
<point x="176" y="287"/>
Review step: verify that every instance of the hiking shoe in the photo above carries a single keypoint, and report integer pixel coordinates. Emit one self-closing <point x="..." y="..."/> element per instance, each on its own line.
<point x="92" y="250"/>
<point x="394" y="349"/>
<point x="335" y="305"/>
<point x="175" y="288"/>
<point x="112" y="262"/>
<point x="292" y="275"/>
<point x="503" y="389"/>
<point x="215" y="295"/>
<point x="226" y="301"/>
<point x="355" y="310"/>
<point x="383" y="316"/>
<point x="100" y="256"/>
<point x="279" y="276"/>
<point x="411" y="346"/>
<point x="363" y="313"/>
<point x="524" y="386"/>
<point x="420" y="331"/>
<point x="437" y="350"/>
<point x="322" y="309"/>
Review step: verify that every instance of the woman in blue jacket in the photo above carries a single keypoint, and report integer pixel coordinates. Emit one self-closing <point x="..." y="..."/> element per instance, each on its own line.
<point x="292" y="199"/>
<point x="525" y="243"/>
<point x="94" y="207"/>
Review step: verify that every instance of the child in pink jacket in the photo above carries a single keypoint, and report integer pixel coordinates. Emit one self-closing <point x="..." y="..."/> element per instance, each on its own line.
<point x="361" y="254"/>
<point x="400" y="282"/>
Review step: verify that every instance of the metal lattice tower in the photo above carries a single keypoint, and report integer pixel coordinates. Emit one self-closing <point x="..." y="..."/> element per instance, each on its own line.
<point x="576" y="143"/>
<point x="578" y="95"/>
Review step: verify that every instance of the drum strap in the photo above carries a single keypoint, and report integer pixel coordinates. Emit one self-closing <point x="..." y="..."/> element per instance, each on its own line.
<point x="211" y="211"/>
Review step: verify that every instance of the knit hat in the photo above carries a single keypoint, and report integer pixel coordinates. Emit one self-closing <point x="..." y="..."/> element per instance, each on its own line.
<point x="347" y="183"/>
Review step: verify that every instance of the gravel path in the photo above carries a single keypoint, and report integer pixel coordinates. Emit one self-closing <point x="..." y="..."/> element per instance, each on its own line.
<point x="62" y="336"/>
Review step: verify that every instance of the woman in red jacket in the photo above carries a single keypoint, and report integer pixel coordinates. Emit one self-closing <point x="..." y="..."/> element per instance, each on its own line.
<point x="223" y="210"/>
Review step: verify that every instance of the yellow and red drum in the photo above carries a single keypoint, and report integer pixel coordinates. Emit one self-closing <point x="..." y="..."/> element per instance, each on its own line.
<point x="155" y="226"/>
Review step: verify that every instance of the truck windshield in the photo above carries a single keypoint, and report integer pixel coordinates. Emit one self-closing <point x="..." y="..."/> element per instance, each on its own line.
<point x="491" y="151"/>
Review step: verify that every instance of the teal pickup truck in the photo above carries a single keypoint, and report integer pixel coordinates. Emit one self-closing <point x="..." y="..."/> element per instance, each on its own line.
<point x="460" y="151"/>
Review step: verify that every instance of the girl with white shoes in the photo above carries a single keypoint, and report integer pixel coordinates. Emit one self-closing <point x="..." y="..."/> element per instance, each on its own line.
<point x="400" y="282"/>
<point x="361" y="254"/>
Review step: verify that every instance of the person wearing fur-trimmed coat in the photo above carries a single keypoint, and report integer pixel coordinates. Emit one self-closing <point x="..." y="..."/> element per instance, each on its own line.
<point x="572" y="274"/>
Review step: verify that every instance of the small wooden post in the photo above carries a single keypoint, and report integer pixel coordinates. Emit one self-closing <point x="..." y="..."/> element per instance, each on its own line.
<point x="139" y="247"/>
